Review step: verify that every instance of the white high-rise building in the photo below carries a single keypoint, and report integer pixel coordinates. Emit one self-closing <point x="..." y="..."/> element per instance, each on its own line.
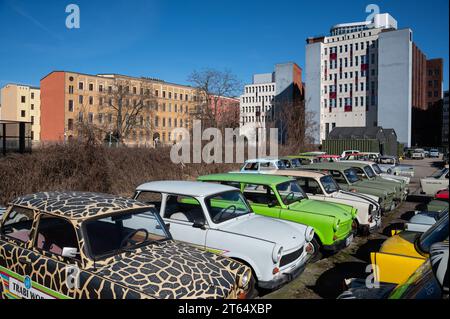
<point x="361" y="76"/>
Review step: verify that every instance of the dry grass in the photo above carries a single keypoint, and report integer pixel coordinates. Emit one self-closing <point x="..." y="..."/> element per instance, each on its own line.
<point x="80" y="167"/>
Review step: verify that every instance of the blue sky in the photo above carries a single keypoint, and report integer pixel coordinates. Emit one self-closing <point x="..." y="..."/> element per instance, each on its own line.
<point x="168" y="39"/>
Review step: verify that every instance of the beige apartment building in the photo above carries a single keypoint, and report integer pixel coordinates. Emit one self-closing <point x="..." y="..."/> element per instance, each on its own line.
<point x="71" y="99"/>
<point x="22" y="103"/>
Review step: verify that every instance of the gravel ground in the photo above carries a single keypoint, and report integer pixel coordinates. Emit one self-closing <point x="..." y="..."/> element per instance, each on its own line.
<point x="324" y="279"/>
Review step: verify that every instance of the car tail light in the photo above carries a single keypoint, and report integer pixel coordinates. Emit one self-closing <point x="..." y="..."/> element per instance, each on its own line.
<point x="276" y="270"/>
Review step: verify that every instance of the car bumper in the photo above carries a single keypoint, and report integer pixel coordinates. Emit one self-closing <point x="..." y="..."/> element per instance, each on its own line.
<point x="284" y="277"/>
<point x="339" y="245"/>
<point x="374" y="225"/>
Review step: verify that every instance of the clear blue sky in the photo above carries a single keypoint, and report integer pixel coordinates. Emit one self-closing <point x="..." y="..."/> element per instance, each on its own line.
<point x="169" y="39"/>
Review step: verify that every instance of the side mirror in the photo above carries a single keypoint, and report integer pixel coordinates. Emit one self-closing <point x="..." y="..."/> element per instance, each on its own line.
<point x="199" y="224"/>
<point x="69" y="252"/>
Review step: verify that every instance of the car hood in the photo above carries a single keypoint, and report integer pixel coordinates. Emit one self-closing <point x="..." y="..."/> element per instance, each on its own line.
<point x="373" y="186"/>
<point x="288" y="234"/>
<point x="357" y="197"/>
<point x="401" y="244"/>
<point x="173" y="270"/>
<point x="340" y="211"/>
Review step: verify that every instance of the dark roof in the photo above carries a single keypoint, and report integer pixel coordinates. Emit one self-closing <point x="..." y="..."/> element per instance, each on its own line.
<point x="375" y="132"/>
<point x="77" y="205"/>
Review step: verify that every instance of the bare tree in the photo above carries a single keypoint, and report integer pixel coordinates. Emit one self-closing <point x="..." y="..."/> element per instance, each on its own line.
<point x="211" y="86"/>
<point x="129" y="106"/>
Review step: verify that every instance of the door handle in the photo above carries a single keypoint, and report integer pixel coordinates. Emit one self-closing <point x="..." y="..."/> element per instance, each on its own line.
<point x="25" y="260"/>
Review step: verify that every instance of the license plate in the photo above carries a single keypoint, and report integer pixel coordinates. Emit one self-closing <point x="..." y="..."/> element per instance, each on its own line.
<point x="348" y="240"/>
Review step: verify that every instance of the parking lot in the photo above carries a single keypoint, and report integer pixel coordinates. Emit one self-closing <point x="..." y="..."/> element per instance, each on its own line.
<point x="324" y="279"/>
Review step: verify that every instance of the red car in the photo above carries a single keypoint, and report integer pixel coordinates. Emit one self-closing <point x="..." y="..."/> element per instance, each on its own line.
<point x="442" y="194"/>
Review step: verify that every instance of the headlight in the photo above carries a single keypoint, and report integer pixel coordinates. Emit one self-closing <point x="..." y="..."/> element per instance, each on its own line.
<point x="276" y="254"/>
<point x="336" y="225"/>
<point x="309" y="233"/>
<point x="245" y="279"/>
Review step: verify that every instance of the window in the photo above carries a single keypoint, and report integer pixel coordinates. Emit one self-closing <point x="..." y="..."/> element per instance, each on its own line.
<point x="91" y="100"/>
<point x="70" y="105"/>
<point x="80" y="117"/>
<point x="108" y="236"/>
<point x="100" y="88"/>
<point x="100" y="118"/>
<point x="91" y="118"/>
<point x="22" y="99"/>
<point x="32" y="95"/>
<point x="70" y="89"/>
<point x="80" y="99"/>
<point x="22" y="113"/>
<point x="70" y="124"/>
<point x="54" y="234"/>
<point x="18" y="224"/>
<point x="91" y="87"/>
<point x="309" y="185"/>
<point x="80" y="85"/>
<point x="32" y="106"/>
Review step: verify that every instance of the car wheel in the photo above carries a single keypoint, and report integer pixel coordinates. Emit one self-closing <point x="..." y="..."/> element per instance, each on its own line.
<point x="317" y="251"/>
<point x="252" y="291"/>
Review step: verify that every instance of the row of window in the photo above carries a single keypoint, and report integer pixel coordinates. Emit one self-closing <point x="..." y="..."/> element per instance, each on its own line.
<point x="347" y="37"/>
<point x="349" y="75"/>
<point x="251" y="99"/>
<point x="349" y="47"/>
<point x="260" y="88"/>
<point x="256" y="119"/>
<point x="134" y="90"/>
<point x="348" y="62"/>
<point x="435" y="94"/>
<point x="128" y="102"/>
<point x="349" y="87"/>
<point x="254" y="109"/>
<point x="108" y="119"/>
<point x="356" y="101"/>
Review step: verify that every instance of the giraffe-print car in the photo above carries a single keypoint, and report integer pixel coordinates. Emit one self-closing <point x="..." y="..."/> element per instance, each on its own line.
<point x="59" y="245"/>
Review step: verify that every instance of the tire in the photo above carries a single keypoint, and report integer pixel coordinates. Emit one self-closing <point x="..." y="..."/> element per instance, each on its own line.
<point x="317" y="254"/>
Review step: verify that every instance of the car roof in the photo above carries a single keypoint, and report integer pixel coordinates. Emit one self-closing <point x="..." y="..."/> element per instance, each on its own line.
<point x="262" y="179"/>
<point x="361" y="163"/>
<point x="77" y="205"/>
<point x="262" y="160"/>
<point x="354" y="163"/>
<point x="187" y="188"/>
<point x="327" y="166"/>
<point x="297" y="172"/>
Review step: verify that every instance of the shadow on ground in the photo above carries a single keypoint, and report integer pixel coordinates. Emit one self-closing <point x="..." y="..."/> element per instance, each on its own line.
<point x="372" y="245"/>
<point x="331" y="283"/>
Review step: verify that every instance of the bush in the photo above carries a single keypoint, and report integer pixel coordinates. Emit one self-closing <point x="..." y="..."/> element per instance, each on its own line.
<point x="83" y="167"/>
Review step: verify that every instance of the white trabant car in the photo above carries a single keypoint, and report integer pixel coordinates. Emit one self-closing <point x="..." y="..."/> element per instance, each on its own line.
<point x="262" y="164"/>
<point x="422" y="221"/>
<point x="219" y="219"/>
<point x="434" y="183"/>
<point x="391" y="166"/>
<point x="418" y="153"/>
<point x="322" y="186"/>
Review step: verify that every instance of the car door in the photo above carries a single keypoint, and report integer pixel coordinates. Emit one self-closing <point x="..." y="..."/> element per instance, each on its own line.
<point x="393" y="268"/>
<point x="262" y="200"/>
<point x="186" y="219"/>
<point x="43" y="272"/>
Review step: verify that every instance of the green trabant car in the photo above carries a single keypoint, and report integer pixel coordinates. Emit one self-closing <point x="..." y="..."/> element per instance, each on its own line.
<point x="348" y="180"/>
<point x="366" y="173"/>
<point x="282" y="197"/>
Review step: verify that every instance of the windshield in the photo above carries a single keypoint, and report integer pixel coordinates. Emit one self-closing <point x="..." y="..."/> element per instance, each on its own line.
<point x="422" y="284"/>
<point x="351" y="175"/>
<point x="281" y="165"/>
<point x="295" y="163"/>
<point x="437" y="233"/>
<point x="112" y="235"/>
<point x="329" y="184"/>
<point x="290" y="192"/>
<point x="369" y="171"/>
<point x="377" y="169"/>
<point x="226" y="206"/>
<point x="439" y="174"/>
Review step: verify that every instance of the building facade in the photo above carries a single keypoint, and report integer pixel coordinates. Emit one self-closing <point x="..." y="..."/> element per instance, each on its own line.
<point x="365" y="74"/>
<point x="434" y="81"/>
<point x="445" y="120"/>
<point x="263" y="99"/>
<point x="70" y="99"/>
<point x="22" y="103"/>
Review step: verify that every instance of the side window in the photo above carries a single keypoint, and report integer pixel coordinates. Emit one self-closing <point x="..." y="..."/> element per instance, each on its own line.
<point x="54" y="234"/>
<point x="259" y="194"/>
<point x="184" y="208"/>
<point x="338" y="177"/>
<point x="360" y="173"/>
<point x="232" y="184"/>
<point x="18" y="224"/>
<point x="311" y="186"/>
<point x="267" y="166"/>
<point x="151" y="198"/>
<point x="251" y="167"/>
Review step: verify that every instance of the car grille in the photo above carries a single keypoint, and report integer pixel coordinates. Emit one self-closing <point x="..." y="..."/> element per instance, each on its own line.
<point x="289" y="258"/>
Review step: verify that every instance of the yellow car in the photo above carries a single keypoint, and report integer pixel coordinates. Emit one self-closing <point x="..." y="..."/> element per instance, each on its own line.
<point x="402" y="254"/>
